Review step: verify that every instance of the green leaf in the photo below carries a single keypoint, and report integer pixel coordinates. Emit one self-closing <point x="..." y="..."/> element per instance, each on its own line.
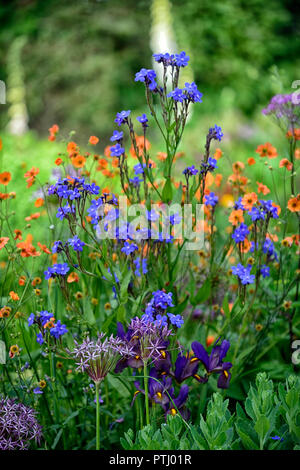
<point x="262" y="427"/>
<point x="167" y="192"/>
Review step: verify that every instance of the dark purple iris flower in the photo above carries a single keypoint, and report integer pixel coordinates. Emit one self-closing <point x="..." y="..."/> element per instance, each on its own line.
<point x="213" y="363"/>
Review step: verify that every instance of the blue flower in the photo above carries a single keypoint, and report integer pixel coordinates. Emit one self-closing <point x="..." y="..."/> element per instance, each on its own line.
<point x="177" y="95"/>
<point x="139" y="169"/>
<point x="129" y="248"/>
<point x="143" y="120"/>
<point x="256" y="214"/>
<point x="176" y="320"/>
<point x="139" y="266"/>
<point x="212" y="164"/>
<point x="216" y="132"/>
<point x="265" y="271"/>
<point x="117" y="136"/>
<point x="240" y="233"/>
<point x="193" y="94"/>
<point x="40" y="338"/>
<point x="58" y="330"/>
<point x="181" y="59"/>
<point x="76" y="243"/>
<point x="211" y="199"/>
<point x="190" y="170"/>
<point x="56" y="269"/>
<point x="57" y="247"/>
<point x="116" y="150"/>
<point x="31" y="319"/>
<point x="243" y="273"/>
<point x="122" y="117"/>
<point x="37" y="391"/>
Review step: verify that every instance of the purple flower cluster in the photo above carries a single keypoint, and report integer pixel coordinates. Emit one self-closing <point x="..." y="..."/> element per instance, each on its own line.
<point x="18" y="425"/>
<point x="98" y="358"/>
<point x="285" y="107"/>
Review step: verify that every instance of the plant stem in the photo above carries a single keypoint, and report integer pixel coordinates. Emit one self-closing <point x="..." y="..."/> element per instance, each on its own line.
<point x="97" y="417"/>
<point x="146" y="393"/>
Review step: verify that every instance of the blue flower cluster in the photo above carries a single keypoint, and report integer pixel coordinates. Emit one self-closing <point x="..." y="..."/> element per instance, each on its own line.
<point x="216" y="133"/>
<point x="73" y="188"/>
<point x="56" y="270"/>
<point x="174" y="60"/>
<point x="147" y="76"/>
<point x="190" y="94"/>
<point x="155" y="311"/>
<point x="122" y="117"/>
<point x="240" y="233"/>
<point x="140" y="267"/>
<point x="42" y="319"/>
<point x="190" y="170"/>
<point x="243" y="273"/>
<point x="210" y="199"/>
<point x="76" y="243"/>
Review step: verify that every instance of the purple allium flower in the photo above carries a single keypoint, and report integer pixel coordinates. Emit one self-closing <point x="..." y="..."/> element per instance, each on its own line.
<point x="285" y="108"/>
<point x="117" y="136"/>
<point x="76" y="243"/>
<point x="122" y="117"/>
<point x="116" y="150"/>
<point x="98" y="358"/>
<point x="147" y="340"/>
<point x="210" y="199"/>
<point x="18" y="425"/>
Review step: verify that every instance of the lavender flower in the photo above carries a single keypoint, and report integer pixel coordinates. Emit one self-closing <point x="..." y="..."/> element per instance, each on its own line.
<point x="18" y="425"/>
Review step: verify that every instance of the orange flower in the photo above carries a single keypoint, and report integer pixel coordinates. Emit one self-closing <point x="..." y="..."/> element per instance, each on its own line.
<point x="5" y="178"/>
<point x="102" y="164"/>
<point x="53" y="131"/>
<point x="248" y="200"/>
<point x="267" y="150"/>
<point x="218" y="179"/>
<point x="44" y="248"/>
<point x="71" y="147"/>
<point x="18" y="234"/>
<point x="237" y="167"/>
<point x="236" y="217"/>
<point x="78" y="161"/>
<point x="14" y="295"/>
<point x="294" y="204"/>
<point x="141" y="143"/>
<point x="218" y="154"/>
<point x="297" y="154"/>
<point x="93" y="140"/>
<point x="30" y="176"/>
<point x="58" y="161"/>
<point x="39" y="202"/>
<point x="251" y="161"/>
<point x="296" y="134"/>
<point x="161" y="156"/>
<point x="262" y="188"/>
<point x="286" y="164"/>
<point x="27" y="249"/>
<point x="22" y="280"/>
<point x="0" y="144"/>
<point x="36" y="215"/>
<point x="107" y="151"/>
<point x="115" y="162"/>
<point x="73" y="277"/>
<point x="245" y="246"/>
<point x="209" y="340"/>
<point x="3" y="241"/>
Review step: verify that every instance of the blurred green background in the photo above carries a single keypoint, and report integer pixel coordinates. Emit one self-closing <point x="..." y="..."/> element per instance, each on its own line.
<point x="73" y="62"/>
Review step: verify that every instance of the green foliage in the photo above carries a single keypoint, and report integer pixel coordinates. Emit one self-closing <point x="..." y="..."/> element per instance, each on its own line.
<point x="269" y="411"/>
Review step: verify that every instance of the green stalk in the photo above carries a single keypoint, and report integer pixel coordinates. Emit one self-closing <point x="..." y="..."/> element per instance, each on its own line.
<point x="97" y="417"/>
<point x="146" y="393"/>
